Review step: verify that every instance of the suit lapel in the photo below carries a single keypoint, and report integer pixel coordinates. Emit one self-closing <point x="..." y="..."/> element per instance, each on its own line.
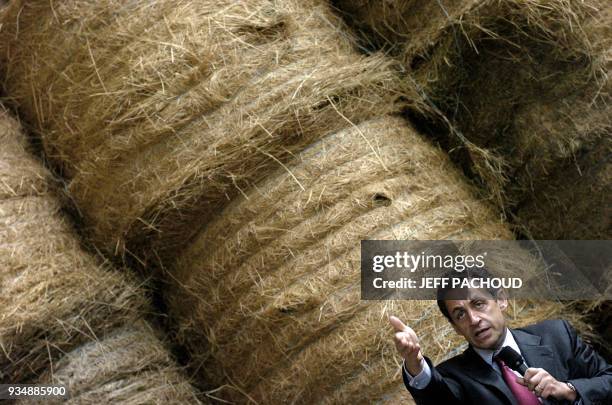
<point x="482" y="372"/>
<point x="536" y="354"/>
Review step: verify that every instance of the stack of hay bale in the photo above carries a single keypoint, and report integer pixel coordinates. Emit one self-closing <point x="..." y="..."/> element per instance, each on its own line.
<point x="253" y="136"/>
<point x="159" y="114"/>
<point x="525" y="87"/>
<point x="58" y="299"/>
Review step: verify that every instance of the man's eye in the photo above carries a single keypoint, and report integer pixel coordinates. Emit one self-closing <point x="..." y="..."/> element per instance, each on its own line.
<point x="479" y="304"/>
<point x="460" y="315"/>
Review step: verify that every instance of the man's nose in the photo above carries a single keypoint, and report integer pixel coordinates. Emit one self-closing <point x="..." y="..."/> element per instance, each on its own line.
<point x="473" y="317"/>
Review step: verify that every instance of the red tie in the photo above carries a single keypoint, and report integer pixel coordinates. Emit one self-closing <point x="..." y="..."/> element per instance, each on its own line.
<point x="520" y="392"/>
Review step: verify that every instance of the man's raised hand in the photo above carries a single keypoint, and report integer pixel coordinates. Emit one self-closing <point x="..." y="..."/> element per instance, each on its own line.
<point x="407" y="344"/>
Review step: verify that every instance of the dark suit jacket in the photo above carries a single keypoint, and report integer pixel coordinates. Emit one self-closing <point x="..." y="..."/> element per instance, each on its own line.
<point x="551" y="345"/>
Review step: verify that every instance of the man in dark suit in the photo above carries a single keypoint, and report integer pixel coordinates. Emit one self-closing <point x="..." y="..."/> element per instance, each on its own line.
<point x="562" y="368"/>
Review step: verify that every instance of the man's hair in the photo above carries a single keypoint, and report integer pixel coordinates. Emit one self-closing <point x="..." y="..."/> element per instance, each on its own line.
<point x="470" y="273"/>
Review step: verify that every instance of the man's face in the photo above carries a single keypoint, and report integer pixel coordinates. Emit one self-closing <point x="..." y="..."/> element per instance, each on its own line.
<point x="479" y="319"/>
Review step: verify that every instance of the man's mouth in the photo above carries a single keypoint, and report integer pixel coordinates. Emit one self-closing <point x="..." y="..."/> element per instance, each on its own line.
<point x="482" y="332"/>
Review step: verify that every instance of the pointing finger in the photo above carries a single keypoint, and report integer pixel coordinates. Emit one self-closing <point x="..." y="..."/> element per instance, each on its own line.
<point x="397" y="324"/>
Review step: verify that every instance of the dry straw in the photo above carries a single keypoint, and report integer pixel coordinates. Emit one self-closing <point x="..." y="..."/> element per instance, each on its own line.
<point x="404" y="26"/>
<point x="54" y="296"/>
<point x="576" y="199"/>
<point x="160" y="112"/>
<point x="524" y="86"/>
<point x="267" y="298"/>
<point x="130" y="366"/>
<point x="57" y="299"/>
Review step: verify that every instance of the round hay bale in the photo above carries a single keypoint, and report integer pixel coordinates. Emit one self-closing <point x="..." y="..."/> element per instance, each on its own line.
<point x="160" y="114"/>
<point x="523" y="86"/>
<point x="281" y="265"/>
<point x="158" y="60"/>
<point x="129" y="366"/>
<point x="573" y="201"/>
<point x="54" y="295"/>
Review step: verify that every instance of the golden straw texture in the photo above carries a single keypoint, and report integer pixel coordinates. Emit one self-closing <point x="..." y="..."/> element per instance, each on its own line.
<point x="57" y="299"/>
<point x="160" y="112"/>
<point x="129" y="366"/>
<point x="522" y="91"/>
<point x="54" y="295"/>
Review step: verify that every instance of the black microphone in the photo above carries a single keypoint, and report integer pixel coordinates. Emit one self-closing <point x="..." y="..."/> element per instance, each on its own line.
<point x="513" y="360"/>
